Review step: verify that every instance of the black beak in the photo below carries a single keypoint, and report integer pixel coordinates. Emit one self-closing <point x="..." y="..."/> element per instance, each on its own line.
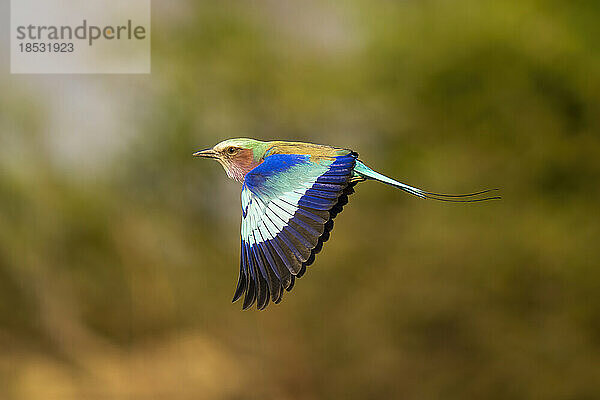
<point x="208" y="153"/>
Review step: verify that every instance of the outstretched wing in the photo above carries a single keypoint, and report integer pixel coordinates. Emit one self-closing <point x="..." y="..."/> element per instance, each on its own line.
<point x="288" y="206"/>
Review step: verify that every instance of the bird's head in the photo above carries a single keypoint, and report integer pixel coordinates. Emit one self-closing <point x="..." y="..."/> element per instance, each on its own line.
<point x="237" y="156"/>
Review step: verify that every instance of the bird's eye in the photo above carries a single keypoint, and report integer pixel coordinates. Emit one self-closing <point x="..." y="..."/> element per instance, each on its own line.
<point x="231" y="150"/>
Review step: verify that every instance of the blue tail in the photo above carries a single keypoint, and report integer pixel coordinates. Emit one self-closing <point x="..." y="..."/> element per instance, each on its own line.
<point x="367" y="173"/>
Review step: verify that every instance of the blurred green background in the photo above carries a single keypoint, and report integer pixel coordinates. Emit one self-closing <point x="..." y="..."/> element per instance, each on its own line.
<point x="119" y="251"/>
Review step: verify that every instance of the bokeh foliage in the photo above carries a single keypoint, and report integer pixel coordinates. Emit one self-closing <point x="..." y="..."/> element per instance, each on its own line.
<point x="115" y="282"/>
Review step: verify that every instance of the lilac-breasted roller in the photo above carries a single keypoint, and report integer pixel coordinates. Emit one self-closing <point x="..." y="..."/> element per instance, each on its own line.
<point x="291" y="192"/>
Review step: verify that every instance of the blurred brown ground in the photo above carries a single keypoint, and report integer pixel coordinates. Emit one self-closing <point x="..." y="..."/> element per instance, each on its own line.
<point x="119" y="252"/>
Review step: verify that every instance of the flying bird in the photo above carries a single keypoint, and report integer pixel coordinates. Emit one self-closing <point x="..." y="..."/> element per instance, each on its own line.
<point x="291" y="193"/>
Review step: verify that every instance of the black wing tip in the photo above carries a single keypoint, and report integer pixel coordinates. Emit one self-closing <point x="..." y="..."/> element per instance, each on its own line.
<point x="250" y="297"/>
<point x="334" y="212"/>
<point x="240" y="289"/>
<point x="246" y="306"/>
<point x="236" y="297"/>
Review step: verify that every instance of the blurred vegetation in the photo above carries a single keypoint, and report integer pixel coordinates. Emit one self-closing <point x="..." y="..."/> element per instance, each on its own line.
<point x="115" y="280"/>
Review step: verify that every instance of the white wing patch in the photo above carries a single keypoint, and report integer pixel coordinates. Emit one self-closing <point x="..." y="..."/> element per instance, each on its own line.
<point x="262" y="221"/>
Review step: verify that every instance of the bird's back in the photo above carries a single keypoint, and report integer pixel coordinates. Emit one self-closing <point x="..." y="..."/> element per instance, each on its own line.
<point x="315" y="151"/>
